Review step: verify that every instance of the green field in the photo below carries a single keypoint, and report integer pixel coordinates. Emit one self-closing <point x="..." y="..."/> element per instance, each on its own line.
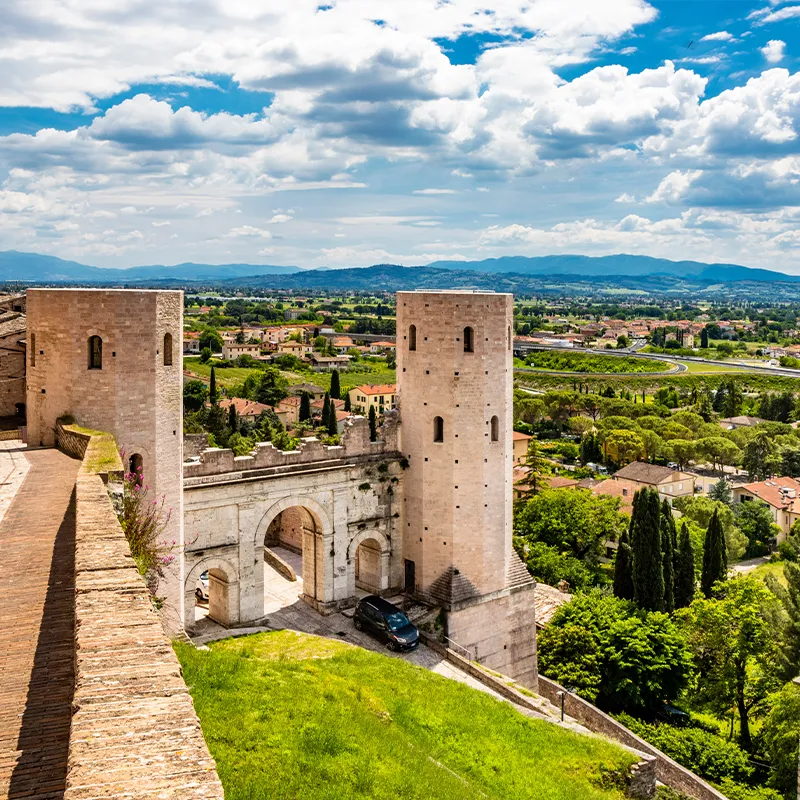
<point x="707" y="369"/>
<point x="774" y="568"/>
<point x="589" y="363"/>
<point x="366" y="372"/>
<point x="287" y="715"/>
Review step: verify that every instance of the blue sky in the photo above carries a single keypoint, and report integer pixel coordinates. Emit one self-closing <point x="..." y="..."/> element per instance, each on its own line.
<point x="363" y="131"/>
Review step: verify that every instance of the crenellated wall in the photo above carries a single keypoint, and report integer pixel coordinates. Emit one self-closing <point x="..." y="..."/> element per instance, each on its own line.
<point x="355" y="444"/>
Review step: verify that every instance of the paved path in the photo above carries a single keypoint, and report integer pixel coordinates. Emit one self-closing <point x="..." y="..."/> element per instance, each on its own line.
<point x="743" y="567"/>
<point x="37" y="596"/>
<point x="13" y="469"/>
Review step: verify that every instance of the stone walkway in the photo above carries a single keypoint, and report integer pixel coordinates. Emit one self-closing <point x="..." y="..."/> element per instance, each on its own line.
<point x="37" y="595"/>
<point x="13" y="469"/>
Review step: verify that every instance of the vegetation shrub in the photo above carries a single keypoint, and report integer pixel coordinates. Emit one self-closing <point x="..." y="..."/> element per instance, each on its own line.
<point x="706" y="754"/>
<point x="560" y="361"/>
<point x="548" y="565"/>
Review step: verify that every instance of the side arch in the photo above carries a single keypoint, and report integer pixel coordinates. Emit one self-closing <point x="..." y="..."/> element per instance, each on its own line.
<point x="230" y="615"/>
<point x="379" y="536"/>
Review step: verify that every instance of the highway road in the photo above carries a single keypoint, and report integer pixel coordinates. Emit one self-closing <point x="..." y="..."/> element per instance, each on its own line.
<point x="521" y="349"/>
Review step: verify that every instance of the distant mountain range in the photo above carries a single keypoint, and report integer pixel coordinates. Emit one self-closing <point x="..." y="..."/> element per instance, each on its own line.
<point x="565" y="273"/>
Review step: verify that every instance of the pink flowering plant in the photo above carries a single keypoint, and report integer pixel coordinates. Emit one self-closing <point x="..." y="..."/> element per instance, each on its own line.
<point x="144" y="521"/>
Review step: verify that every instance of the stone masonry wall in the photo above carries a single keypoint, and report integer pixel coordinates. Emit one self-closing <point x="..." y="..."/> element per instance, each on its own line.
<point x="134" y="731"/>
<point x="669" y="772"/>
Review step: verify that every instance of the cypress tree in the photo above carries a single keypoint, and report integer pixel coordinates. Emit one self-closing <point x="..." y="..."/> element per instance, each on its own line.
<point x="347" y="404"/>
<point x="212" y="387"/>
<point x="333" y="428"/>
<point x="623" y="579"/>
<point x="704" y="338"/>
<point x="668" y="536"/>
<point x="233" y="420"/>
<point x="648" y="571"/>
<point x="684" y="569"/>
<point x="336" y="390"/>
<point x="305" y="407"/>
<point x="715" y="556"/>
<point x="373" y="424"/>
<point x="326" y="409"/>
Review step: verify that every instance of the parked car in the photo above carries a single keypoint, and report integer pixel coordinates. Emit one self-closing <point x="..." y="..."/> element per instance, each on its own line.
<point x="201" y="590"/>
<point x="386" y="622"/>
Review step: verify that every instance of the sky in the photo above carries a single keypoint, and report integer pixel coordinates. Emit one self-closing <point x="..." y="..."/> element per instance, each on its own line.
<point x="354" y="132"/>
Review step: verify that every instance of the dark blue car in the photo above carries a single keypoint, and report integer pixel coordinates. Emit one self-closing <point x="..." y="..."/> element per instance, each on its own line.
<point x="386" y="622"/>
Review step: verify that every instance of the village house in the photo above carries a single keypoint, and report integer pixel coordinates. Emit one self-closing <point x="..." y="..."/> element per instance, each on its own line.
<point x="311" y="389"/>
<point x="670" y="483"/>
<point x="294" y="348"/>
<point x="244" y="408"/>
<point x="341" y="344"/>
<point x="191" y="347"/>
<point x="520" y="444"/>
<point x="382" y="397"/>
<point x="781" y="496"/>
<point x="327" y="363"/>
<point x="290" y="408"/>
<point x="231" y="351"/>
<point x="382" y="347"/>
<point x="731" y="423"/>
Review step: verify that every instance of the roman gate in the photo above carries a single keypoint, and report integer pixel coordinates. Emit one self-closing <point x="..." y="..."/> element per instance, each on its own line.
<point x="336" y="507"/>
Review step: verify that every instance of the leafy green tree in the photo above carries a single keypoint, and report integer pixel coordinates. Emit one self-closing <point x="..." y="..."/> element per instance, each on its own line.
<point x="721" y="492"/>
<point x="616" y="655"/>
<point x="591" y="451"/>
<point x="304" y="412"/>
<point x="623" y="569"/>
<point x="684" y="569"/>
<point x="272" y="387"/>
<point x="623" y="446"/>
<point x="194" y="395"/>
<point x="683" y="451"/>
<point x="536" y="464"/>
<point x="700" y="510"/>
<point x="336" y="389"/>
<point x="333" y="427"/>
<point x="719" y="451"/>
<point x="760" y="457"/>
<point x="733" y="646"/>
<point x="789" y="596"/>
<point x="715" y="556"/>
<point x="551" y="566"/>
<point x="648" y="572"/>
<point x="572" y="520"/>
<point x="669" y="537"/>
<point x="213" y="394"/>
<point x="755" y="522"/>
<point x="373" y="424"/>
<point x="241" y="445"/>
<point x="211" y="339"/>
<point x="205" y="355"/>
<point x="779" y="735"/>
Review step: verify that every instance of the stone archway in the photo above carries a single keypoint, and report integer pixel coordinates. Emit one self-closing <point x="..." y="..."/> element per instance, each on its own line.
<point x="300" y="525"/>
<point x="369" y="555"/>
<point x="223" y="590"/>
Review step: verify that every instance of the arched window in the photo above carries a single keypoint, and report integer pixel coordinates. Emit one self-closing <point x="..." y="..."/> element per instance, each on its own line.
<point x="136" y="468"/>
<point x="438" y="429"/>
<point x="32" y="345"/>
<point x="495" y="426"/>
<point x="167" y="349"/>
<point x="95" y="352"/>
<point x="412" y="337"/>
<point x="469" y="340"/>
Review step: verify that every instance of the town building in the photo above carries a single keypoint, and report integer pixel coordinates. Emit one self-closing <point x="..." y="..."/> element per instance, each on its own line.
<point x="294" y="348"/>
<point x="520" y="444"/>
<point x="13" y="326"/>
<point x="670" y="483"/>
<point x="731" y="423"/>
<point x="232" y="351"/>
<point x="780" y="495"/>
<point x="315" y="392"/>
<point x="381" y="396"/>
<point x="327" y="363"/>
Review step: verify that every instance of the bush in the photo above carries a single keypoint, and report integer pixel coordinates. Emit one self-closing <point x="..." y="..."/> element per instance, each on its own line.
<point x="708" y="755"/>
<point x="550" y="566"/>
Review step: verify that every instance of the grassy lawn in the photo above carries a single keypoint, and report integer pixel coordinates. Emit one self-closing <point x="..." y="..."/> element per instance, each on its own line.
<point x="697" y="369"/>
<point x="774" y="568"/>
<point x="226" y="376"/>
<point x="287" y="715"/>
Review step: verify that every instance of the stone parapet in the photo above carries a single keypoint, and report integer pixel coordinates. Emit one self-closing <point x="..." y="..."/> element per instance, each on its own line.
<point x="134" y="731"/>
<point x="354" y="443"/>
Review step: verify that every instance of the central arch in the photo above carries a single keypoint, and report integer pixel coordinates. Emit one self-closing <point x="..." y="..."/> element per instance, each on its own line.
<point x="300" y="526"/>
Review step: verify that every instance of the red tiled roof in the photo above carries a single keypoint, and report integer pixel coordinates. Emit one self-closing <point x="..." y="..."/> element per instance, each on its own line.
<point x="384" y="388"/>
<point x="770" y="492"/>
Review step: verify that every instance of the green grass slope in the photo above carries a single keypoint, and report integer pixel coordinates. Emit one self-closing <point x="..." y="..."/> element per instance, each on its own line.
<point x="288" y="715"/>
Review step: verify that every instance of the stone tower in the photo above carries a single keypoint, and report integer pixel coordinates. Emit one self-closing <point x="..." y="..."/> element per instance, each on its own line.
<point x="112" y="359"/>
<point x="455" y="383"/>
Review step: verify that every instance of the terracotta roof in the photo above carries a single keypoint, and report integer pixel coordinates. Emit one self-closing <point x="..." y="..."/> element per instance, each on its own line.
<point x="311" y="388"/>
<point x="383" y="388"/>
<point x="770" y="492"/>
<point x="621" y="488"/>
<point x="244" y="408"/>
<point x="320" y="403"/>
<point x="547" y="600"/>
<point x="292" y="400"/>
<point x="643" y="472"/>
<point x="12" y="323"/>
<point x="519" y="437"/>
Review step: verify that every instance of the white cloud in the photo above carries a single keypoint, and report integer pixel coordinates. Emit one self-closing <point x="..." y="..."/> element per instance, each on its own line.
<point x="434" y="191"/>
<point x="765" y="16"/>
<point x="773" y="51"/>
<point x="249" y="232"/>
<point x="719" y="36"/>
<point x="625" y="198"/>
